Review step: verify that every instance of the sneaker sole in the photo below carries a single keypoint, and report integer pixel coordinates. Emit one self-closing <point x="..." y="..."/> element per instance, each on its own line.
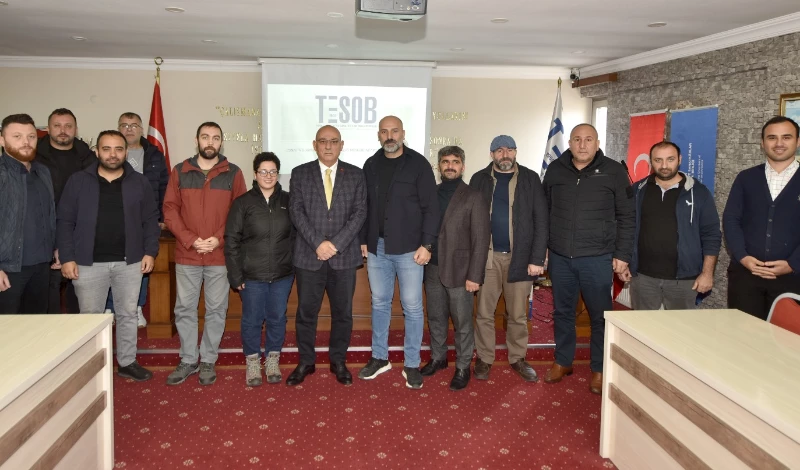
<point x="377" y="372"/>
<point x="409" y="385"/>
<point x="184" y="379"/>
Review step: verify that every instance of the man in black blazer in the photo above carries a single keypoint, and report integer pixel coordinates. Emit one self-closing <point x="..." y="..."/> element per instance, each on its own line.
<point x="328" y="206"/>
<point x="457" y="266"/>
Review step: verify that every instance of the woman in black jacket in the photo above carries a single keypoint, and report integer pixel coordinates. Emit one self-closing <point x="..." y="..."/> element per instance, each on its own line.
<point x="259" y="239"/>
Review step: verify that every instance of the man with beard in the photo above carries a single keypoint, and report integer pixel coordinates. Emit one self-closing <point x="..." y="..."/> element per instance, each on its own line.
<point x="677" y="237"/>
<point x="199" y="195"/>
<point x="108" y="237"/>
<point x="592" y="220"/>
<point x="64" y="155"/>
<point x="328" y="206"/>
<point x="27" y="219"/>
<point x="760" y="222"/>
<point x="518" y="214"/>
<point x="147" y="159"/>
<point x="397" y="240"/>
<point x="456" y="269"/>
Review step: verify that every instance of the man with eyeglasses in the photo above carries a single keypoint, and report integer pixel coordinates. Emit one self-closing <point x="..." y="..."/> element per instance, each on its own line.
<point x="148" y="160"/>
<point x="518" y="245"/>
<point x="328" y="206"/>
<point x="63" y="155"/>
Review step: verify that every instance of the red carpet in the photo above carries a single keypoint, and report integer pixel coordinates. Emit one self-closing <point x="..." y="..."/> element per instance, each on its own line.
<point x="502" y="423"/>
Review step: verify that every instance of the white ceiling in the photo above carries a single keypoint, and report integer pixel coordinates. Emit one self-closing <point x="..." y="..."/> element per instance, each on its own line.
<point x="539" y="32"/>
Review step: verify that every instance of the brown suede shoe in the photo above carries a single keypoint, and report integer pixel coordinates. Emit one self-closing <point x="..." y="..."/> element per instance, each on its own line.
<point x="556" y="373"/>
<point x="524" y="370"/>
<point x="596" y="385"/>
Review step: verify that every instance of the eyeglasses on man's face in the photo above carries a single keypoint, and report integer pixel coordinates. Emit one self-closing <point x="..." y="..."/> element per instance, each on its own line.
<point x="267" y="173"/>
<point x="133" y="126"/>
<point x="325" y="142"/>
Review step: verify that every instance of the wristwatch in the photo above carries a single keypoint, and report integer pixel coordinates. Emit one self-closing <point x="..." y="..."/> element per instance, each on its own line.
<point x="428" y="247"/>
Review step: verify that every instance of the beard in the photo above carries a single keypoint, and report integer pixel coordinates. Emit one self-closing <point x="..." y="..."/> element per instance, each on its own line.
<point x="111" y="164"/>
<point x="391" y="146"/>
<point x="666" y="175"/>
<point x="450" y="175"/>
<point x="63" y="139"/>
<point x="22" y="154"/>
<point x="504" y="164"/>
<point x="209" y="153"/>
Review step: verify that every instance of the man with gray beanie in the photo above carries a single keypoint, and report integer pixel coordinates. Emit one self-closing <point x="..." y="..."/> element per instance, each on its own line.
<point x="519" y="228"/>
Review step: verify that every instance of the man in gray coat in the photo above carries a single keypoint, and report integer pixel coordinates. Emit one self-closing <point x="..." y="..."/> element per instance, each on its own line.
<point x="456" y="268"/>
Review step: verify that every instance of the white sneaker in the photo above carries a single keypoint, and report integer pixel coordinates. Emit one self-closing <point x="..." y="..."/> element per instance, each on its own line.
<point x="142" y="322"/>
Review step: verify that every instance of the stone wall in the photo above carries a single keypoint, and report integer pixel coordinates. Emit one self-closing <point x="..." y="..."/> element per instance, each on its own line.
<point x="744" y="81"/>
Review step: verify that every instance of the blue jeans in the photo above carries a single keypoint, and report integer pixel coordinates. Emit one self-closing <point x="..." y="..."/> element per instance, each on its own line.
<point x="142" y="294"/>
<point x="264" y="302"/>
<point x="592" y="277"/>
<point x="382" y="270"/>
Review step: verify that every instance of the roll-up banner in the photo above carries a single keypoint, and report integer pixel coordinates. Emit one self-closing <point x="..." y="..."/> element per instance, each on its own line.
<point x="695" y="132"/>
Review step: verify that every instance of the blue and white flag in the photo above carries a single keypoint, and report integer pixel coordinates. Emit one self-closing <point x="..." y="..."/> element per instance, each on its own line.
<point x="555" y="138"/>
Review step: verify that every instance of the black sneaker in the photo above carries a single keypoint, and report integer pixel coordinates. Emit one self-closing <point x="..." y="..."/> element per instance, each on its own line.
<point x="135" y="372"/>
<point x="374" y="368"/>
<point x="413" y="377"/>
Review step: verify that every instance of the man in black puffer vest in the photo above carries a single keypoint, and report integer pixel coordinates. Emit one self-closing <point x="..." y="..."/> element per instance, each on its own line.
<point x="592" y="222"/>
<point x="63" y="155"/>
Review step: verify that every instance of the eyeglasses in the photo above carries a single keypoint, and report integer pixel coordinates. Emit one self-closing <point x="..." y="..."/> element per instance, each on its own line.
<point x="129" y="126"/>
<point x="265" y="173"/>
<point x="325" y="142"/>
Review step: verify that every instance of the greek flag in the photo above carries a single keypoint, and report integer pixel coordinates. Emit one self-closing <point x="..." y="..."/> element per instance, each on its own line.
<point x="555" y="138"/>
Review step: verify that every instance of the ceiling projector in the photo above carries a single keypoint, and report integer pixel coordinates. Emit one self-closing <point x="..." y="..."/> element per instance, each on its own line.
<point x="399" y="10"/>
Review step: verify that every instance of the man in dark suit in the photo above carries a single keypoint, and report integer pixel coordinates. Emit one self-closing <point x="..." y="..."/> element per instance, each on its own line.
<point x="328" y="206"/>
<point x="457" y="266"/>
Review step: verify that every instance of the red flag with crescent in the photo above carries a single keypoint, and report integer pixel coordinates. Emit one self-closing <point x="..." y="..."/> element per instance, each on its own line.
<point x="156" y="131"/>
<point x="646" y="130"/>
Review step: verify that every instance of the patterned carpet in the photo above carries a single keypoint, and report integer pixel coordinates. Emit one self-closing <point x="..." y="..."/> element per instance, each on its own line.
<point x="503" y="423"/>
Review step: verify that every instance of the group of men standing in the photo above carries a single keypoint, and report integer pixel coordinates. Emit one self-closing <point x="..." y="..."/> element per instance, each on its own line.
<point x="583" y="223"/>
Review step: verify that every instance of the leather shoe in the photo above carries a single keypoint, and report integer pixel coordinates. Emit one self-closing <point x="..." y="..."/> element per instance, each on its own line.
<point x="596" y="386"/>
<point x="299" y="374"/>
<point x="482" y="369"/>
<point x="460" y="379"/>
<point x="524" y="370"/>
<point x="431" y="367"/>
<point x="343" y="376"/>
<point x="556" y="373"/>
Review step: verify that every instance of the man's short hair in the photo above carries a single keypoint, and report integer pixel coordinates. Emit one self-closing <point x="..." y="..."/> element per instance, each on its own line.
<point x="17" y="119"/>
<point x="208" y="124"/>
<point x="453" y="150"/>
<point x="587" y="125"/>
<point x="113" y="132"/>
<point x="664" y="144"/>
<point x="131" y="116"/>
<point x="778" y="120"/>
<point x="266" y="157"/>
<point x="62" y="112"/>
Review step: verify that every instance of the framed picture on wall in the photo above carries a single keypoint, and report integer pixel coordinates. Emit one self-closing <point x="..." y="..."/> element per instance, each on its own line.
<point x="790" y="107"/>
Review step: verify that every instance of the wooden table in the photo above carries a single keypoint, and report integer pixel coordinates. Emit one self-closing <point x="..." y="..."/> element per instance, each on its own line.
<point x="699" y="389"/>
<point x="56" y="403"/>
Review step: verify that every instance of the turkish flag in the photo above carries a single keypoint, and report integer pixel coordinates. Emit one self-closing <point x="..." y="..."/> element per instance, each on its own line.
<point x="646" y="130"/>
<point x="157" y="132"/>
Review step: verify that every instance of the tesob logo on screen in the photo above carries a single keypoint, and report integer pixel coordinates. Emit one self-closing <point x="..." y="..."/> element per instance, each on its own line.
<point x="347" y="109"/>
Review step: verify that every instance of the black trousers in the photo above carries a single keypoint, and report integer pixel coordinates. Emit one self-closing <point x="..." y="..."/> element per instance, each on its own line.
<point x="340" y="284"/>
<point x="57" y="281"/>
<point x="754" y="295"/>
<point x="28" y="292"/>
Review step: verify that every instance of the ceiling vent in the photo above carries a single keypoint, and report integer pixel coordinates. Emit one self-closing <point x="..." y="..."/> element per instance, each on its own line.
<point x="399" y="10"/>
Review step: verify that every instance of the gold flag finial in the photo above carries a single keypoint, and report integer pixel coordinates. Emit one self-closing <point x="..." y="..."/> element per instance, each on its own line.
<point x="559" y="82"/>
<point x="158" y="61"/>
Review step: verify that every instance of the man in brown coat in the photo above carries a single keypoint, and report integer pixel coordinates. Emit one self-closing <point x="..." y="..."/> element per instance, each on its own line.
<point x="457" y="266"/>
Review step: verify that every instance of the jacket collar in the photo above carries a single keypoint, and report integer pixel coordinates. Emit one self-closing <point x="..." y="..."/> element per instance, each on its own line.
<point x="44" y="148"/>
<point x="92" y="169"/>
<point x="222" y="164"/>
<point x="687" y="185"/>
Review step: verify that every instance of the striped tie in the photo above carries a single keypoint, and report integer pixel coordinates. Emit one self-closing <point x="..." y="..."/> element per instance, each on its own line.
<point x="328" y="187"/>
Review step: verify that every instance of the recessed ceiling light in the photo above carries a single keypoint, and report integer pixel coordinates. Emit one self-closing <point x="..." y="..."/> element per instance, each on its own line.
<point x="579" y="52"/>
<point x="78" y="38"/>
<point x="332" y="46"/>
<point x="352" y="63"/>
<point x="335" y="14"/>
<point x="209" y="41"/>
<point x="456" y="49"/>
<point x="657" y="24"/>
<point x="175" y="9"/>
<point x="499" y="20"/>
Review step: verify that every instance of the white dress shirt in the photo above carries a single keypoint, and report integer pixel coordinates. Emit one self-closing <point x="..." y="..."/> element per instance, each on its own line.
<point x="322" y="169"/>
<point x="777" y="181"/>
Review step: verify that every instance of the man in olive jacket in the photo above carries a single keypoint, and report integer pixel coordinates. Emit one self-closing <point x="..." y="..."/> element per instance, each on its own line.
<point x="592" y="223"/>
